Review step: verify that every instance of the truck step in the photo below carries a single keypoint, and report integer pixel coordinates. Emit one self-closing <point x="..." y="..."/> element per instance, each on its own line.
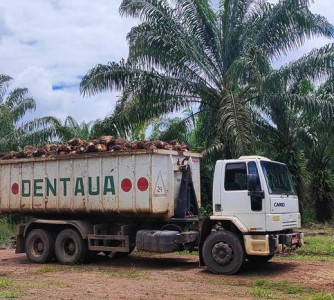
<point x="114" y="243"/>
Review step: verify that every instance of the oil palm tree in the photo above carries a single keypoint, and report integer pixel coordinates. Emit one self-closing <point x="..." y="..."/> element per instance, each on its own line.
<point x="187" y="54"/>
<point x="13" y="107"/>
<point x="294" y="121"/>
<point x="319" y="142"/>
<point x="71" y="128"/>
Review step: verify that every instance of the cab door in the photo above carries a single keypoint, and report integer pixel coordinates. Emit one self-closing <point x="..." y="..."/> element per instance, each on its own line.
<point x="237" y="200"/>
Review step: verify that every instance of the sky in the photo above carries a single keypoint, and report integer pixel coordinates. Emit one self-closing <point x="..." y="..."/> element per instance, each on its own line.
<point x="49" y="45"/>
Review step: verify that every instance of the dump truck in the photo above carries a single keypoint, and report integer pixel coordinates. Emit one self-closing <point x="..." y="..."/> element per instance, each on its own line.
<point x="150" y="200"/>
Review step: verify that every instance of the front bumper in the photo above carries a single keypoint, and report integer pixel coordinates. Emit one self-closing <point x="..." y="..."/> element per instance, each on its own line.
<point x="270" y="244"/>
<point x="290" y="241"/>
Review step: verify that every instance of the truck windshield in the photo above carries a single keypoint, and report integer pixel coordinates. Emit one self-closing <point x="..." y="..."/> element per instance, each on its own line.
<point x="278" y="178"/>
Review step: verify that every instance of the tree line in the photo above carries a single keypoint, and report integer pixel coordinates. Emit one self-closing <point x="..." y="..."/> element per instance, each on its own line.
<point x="214" y="67"/>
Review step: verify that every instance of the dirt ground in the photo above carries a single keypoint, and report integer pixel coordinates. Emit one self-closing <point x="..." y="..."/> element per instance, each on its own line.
<point x="146" y="276"/>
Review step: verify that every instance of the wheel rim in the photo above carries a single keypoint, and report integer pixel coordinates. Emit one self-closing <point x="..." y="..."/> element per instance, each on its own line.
<point x="222" y="253"/>
<point x="38" y="247"/>
<point x="68" y="246"/>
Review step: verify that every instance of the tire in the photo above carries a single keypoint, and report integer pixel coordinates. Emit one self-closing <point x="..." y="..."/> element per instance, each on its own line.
<point x="223" y="252"/>
<point x="259" y="259"/>
<point x="39" y="246"/>
<point x="70" y="248"/>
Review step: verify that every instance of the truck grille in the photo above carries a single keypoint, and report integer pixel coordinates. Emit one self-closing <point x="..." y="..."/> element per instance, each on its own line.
<point x="289" y="224"/>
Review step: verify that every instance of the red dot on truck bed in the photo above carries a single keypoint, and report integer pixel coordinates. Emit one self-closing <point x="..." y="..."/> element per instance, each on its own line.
<point x="15" y="188"/>
<point x="142" y="184"/>
<point x="126" y="185"/>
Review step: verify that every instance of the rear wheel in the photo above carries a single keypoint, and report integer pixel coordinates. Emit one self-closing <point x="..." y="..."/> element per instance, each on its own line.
<point x="70" y="248"/>
<point x="39" y="246"/>
<point x="259" y="259"/>
<point x="223" y="252"/>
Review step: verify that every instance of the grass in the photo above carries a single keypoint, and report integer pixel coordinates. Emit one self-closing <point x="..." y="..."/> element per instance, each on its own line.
<point x="185" y="252"/>
<point x="53" y="283"/>
<point x="261" y="293"/>
<point x="127" y="273"/>
<point x="271" y="289"/>
<point x="5" y="282"/>
<point x="322" y="296"/>
<point x="9" y="289"/>
<point x="283" y="286"/>
<point x="132" y="273"/>
<point x="7" y="229"/>
<point x="10" y="294"/>
<point x="50" y="269"/>
<point x="305" y="257"/>
<point x="318" y="245"/>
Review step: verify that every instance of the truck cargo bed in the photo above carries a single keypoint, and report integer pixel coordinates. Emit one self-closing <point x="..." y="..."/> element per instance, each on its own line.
<point x="142" y="182"/>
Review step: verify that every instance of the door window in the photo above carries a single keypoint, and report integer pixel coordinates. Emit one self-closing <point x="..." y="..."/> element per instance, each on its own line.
<point x="252" y="169"/>
<point x="256" y="196"/>
<point x="235" y="177"/>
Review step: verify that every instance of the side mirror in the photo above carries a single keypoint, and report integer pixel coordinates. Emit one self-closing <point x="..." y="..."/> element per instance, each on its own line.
<point x="252" y="182"/>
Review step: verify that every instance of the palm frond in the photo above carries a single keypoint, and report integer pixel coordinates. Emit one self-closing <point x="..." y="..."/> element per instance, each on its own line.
<point x="5" y="81"/>
<point x="314" y="65"/>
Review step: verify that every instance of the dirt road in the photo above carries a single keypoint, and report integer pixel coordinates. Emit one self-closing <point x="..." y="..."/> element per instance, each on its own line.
<point x="145" y="276"/>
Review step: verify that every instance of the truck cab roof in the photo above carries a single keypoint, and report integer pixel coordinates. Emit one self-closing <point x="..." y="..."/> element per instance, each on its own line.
<point x="254" y="157"/>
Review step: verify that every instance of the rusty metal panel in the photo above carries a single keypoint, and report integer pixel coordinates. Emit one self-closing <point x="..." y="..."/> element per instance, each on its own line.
<point x="143" y="182"/>
<point x="4" y="188"/>
<point x="127" y="180"/>
<point x="162" y="184"/>
<point x="51" y="189"/>
<point x="109" y="196"/>
<point x="25" y="186"/>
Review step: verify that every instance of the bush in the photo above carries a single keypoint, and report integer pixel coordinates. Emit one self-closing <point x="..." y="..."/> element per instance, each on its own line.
<point x="7" y="229"/>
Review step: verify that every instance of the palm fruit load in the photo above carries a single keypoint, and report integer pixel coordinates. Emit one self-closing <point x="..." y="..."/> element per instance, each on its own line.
<point x="77" y="146"/>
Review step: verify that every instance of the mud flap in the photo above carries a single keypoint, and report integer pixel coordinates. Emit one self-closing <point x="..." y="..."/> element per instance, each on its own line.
<point x="20" y="240"/>
<point x="187" y="202"/>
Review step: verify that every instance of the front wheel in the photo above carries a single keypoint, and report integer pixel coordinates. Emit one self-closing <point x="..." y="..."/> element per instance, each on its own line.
<point x="70" y="248"/>
<point x="223" y="252"/>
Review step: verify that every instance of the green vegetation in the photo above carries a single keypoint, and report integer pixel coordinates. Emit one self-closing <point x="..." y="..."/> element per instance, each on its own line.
<point x="273" y="289"/>
<point x="216" y="65"/>
<point x="320" y="245"/>
<point x="5" y="282"/>
<point x="10" y="295"/>
<point x="14" y="105"/>
<point x="132" y="273"/>
<point x="7" y="229"/>
<point x="261" y="293"/>
<point x="50" y="269"/>
<point x="15" y="134"/>
<point x="9" y="289"/>
<point x="283" y="286"/>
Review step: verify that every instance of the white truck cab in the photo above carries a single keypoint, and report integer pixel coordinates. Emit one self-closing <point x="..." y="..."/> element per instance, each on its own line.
<point x="256" y="206"/>
<point x="272" y="206"/>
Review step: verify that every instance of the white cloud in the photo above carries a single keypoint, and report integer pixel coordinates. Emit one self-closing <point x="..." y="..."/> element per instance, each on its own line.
<point x="46" y="43"/>
<point x="52" y="43"/>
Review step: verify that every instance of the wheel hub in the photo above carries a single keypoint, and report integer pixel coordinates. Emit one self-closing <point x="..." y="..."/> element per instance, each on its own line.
<point x="222" y="253"/>
<point x="69" y="247"/>
<point x="38" y="247"/>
